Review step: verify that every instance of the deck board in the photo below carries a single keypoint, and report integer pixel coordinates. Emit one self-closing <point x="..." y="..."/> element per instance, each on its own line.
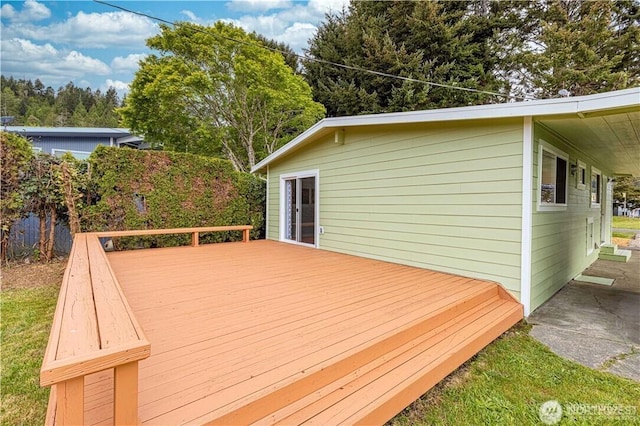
<point x="231" y="322"/>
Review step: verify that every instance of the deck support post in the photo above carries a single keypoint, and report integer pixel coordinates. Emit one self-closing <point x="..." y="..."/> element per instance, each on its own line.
<point x="70" y="401"/>
<point x="125" y="394"/>
<point x="195" y="239"/>
<point x="245" y="235"/>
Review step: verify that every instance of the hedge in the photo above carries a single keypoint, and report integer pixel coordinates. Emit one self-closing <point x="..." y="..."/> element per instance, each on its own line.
<point x="135" y="189"/>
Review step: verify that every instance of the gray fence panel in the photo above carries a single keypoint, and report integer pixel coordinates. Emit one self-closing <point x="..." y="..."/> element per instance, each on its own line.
<point x="25" y="236"/>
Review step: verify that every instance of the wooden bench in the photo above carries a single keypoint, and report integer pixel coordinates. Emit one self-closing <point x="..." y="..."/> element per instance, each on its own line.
<point x="195" y="232"/>
<point x="93" y="329"/>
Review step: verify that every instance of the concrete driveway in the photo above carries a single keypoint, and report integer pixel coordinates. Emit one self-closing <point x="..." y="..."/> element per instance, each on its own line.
<point x="597" y="326"/>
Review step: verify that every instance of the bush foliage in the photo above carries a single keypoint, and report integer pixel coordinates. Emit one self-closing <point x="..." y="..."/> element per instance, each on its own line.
<point x="159" y="189"/>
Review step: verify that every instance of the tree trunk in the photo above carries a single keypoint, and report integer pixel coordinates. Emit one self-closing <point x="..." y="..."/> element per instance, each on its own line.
<point x="42" y="246"/>
<point x="70" y="199"/>
<point x="4" y="245"/>
<point x="52" y="230"/>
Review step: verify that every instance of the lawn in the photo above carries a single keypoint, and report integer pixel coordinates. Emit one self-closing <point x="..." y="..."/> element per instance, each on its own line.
<point x="507" y="382"/>
<point x="27" y="303"/>
<point x="626" y="222"/>
<point x="504" y="384"/>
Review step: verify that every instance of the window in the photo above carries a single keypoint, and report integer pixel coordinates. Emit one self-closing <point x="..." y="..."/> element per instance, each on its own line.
<point x="78" y="155"/>
<point x="36" y="149"/>
<point x="581" y="176"/>
<point x="596" y="187"/>
<point x="552" y="172"/>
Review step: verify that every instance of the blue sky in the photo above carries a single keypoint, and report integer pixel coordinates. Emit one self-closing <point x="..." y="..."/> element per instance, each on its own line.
<point x="97" y="46"/>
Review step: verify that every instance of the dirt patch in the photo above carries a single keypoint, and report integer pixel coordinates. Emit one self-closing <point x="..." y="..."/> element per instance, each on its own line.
<point x="621" y="242"/>
<point x="30" y="275"/>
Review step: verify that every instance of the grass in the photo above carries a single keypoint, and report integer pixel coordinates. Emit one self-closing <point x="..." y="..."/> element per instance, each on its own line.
<point x="26" y="320"/>
<point x="508" y="381"/>
<point x="626" y="222"/>
<point x="504" y="384"/>
<point x="619" y="234"/>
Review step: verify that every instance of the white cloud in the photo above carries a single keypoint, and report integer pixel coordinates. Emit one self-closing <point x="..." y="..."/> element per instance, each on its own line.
<point x="257" y="5"/>
<point x="31" y="11"/>
<point x="95" y="30"/>
<point x="297" y="35"/>
<point x="294" y="25"/>
<point x="23" y="58"/>
<point x="121" y="87"/>
<point x="116" y="84"/>
<point x="7" y="11"/>
<point x="128" y="63"/>
<point x="192" y="16"/>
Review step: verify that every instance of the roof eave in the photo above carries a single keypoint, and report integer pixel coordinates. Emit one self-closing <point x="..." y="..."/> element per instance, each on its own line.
<point x="580" y="105"/>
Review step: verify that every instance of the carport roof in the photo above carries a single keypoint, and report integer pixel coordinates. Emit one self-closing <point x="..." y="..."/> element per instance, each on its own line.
<point x="604" y="126"/>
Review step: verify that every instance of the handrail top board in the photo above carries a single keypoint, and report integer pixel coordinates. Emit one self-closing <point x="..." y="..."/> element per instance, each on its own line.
<point x="139" y="232"/>
<point x="77" y="344"/>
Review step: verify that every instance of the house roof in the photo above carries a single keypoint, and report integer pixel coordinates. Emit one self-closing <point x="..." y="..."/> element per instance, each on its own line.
<point x="96" y="132"/>
<point x="610" y="121"/>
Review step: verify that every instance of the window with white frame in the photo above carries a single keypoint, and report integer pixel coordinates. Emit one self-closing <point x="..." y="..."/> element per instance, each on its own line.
<point x="596" y="187"/>
<point x="581" y="175"/>
<point x="36" y="149"/>
<point x="78" y="155"/>
<point x="552" y="173"/>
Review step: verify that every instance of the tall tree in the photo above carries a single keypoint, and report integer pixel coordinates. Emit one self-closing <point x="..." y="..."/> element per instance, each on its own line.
<point x="217" y="91"/>
<point x="446" y="43"/>
<point x="627" y="189"/>
<point x="583" y="47"/>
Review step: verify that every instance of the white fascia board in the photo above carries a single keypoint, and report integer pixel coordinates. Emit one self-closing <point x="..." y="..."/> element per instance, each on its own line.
<point x="544" y="107"/>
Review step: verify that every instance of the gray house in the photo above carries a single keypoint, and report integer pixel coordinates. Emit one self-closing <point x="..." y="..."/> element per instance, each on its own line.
<point x="79" y="141"/>
<point x="516" y="193"/>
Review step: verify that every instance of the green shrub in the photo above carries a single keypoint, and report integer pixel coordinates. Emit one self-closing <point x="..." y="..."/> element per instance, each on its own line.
<point x="134" y="189"/>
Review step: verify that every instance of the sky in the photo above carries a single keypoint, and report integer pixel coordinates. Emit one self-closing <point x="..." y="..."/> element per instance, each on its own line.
<point x="97" y="46"/>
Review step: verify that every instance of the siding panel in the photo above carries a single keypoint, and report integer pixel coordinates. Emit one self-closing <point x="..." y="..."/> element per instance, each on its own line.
<point x="559" y="245"/>
<point x="439" y="196"/>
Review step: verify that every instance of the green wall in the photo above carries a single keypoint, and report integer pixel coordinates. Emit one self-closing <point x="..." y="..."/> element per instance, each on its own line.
<point x="444" y="196"/>
<point x="559" y="238"/>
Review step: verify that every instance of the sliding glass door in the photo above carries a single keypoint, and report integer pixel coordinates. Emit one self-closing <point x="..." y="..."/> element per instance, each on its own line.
<point x="300" y="209"/>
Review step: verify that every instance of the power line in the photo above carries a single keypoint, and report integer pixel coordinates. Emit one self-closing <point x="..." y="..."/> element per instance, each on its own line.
<point x="308" y="58"/>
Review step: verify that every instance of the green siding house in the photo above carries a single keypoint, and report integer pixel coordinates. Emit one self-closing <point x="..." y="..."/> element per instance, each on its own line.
<point x="517" y="193"/>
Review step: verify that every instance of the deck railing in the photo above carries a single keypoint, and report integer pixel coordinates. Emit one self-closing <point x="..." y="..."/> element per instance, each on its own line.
<point x="94" y="329"/>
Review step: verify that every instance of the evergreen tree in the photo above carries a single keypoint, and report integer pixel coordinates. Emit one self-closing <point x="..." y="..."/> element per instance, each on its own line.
<point x="582" y="47"/>
<point x="447" y="43"/>
<point x="34" y="104"/>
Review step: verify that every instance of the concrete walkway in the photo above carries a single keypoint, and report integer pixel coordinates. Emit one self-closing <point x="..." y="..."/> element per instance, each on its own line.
<point x="594" y="325"/>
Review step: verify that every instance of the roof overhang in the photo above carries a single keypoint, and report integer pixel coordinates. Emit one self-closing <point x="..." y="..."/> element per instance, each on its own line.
<point x="95" y="132"/>
<point x="588" y="117"/>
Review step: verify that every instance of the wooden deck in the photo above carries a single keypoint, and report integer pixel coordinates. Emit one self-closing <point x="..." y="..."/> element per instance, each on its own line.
<point x="267" y="333"/>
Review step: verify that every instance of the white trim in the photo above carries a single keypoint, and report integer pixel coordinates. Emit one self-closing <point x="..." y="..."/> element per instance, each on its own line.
<point x="36" y="149"/>
<point x="266" y="212"/>
<point x="527" y="215"/>
<point x="315" y="173"/>
<point x="581" y="106"/>
<point x="546" y="207"/>
<point x="599" y="173"/>
<point x="54" y="151"/>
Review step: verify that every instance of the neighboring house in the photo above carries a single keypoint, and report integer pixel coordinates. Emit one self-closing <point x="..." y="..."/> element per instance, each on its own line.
<point x="79" y="141"/>
<point x="518" y="193"/>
